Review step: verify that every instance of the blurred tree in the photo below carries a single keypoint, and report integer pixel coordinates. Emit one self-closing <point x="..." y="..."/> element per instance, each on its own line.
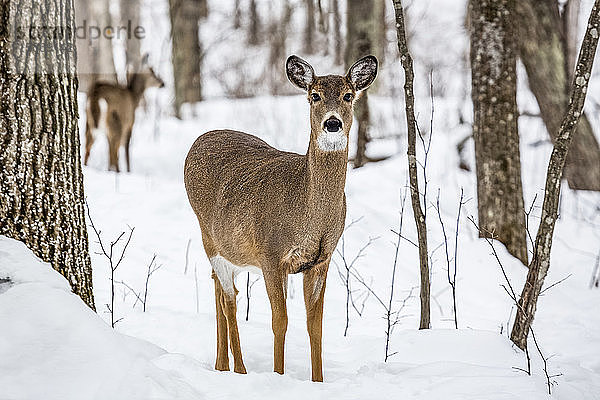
<point x="495" y="129"/>
<point x="309" y="27"/>
<point x="203" y="9"/>
<point x="278" y="32"/>
<point x="254" y="25"/>
<point x="130" y="17"/>
<point x="571" y="27"/>
<point x="94" y="47"/>
<point x="185" y="16"/>
<point x="337" y="31"/>
<point x="360" y="28"/>
<point x="543" y="49"/>
<point x="237" y="15"/>
<point x="41" y="184"/>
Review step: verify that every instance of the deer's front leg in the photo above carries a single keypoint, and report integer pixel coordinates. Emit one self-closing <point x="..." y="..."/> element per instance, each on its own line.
<point x="314" y="291"/>
<point x="276" y="284"/>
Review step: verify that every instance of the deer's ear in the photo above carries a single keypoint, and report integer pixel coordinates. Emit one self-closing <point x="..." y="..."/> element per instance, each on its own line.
<point x="363" y="72"/>
<point x="299" y="72"/>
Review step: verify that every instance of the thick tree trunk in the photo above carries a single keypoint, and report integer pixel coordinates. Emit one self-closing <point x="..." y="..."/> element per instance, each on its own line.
<point x="185" y="16"/>
<point x="337" y="31"/>
<point x="360" y="26"/>
<point x="309" y="27"/>
<point x="494" y="88"/>
<point x="415" y="196"/>
<point x="41" y="184"/>
<point x="130" y="17"/>
<point x="543" y="52"/>
<point x="564" y="139"/>
<point x="94" y="48"/>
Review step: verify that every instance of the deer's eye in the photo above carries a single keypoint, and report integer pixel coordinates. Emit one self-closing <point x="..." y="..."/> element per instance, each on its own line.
<point x="315" y="97"/>
<point x="348" y="97"/>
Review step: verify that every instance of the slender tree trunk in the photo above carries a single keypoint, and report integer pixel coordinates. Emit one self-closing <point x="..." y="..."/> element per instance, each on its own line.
<point x="254" y="26"/>
<point x="278" y="32"/>
<point x="130" y="17"/>
<point x="185" y="15"/>
<point x="544" y="54"/>
<point x="494" y="89"/>
<point x="41" y="184"/>
<point x="237" y="17"/>
<point x="309" y="27"/>
<point x="571" y="28"/>
<point x="95" y="50"/>
<point x="337" y="31"/>
<point x="360" y="25"/>
<point x="415" y="196"/>
<point x="564" y="139"/>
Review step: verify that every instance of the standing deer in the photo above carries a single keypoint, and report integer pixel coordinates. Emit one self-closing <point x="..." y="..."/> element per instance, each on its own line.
<point x="277" y="212"/>
<point x="118" y="115"/>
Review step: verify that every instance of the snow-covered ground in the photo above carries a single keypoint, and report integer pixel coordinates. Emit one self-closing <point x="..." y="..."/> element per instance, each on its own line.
<point x="53" y="347"/>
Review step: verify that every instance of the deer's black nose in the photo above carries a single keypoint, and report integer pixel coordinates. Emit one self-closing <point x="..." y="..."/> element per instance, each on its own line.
<point x="333" y="124"/>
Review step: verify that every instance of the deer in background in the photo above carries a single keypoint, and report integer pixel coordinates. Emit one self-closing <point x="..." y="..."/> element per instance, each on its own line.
<point x="111" y="107"/>
<point x="276" y="212"/>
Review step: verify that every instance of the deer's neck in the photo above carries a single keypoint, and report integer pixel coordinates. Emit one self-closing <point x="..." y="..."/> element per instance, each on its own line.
<point x="326" y="177"/>
<point x="136" y="87"/>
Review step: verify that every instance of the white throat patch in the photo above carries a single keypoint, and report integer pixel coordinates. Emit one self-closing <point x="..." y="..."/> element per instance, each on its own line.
<point x="332" y="141"/>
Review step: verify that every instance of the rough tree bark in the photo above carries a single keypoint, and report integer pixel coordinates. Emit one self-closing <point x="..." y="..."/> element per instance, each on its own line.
<point x="564" y="139"/>
<point x="309" y="27"/>
<point x="185" y="15"/>
<point x="543" y="52"/>
<point x="495" y="131"/>
<point x="130" y="16"/>
<point x="41" y="184"/>
<point x="94" y="49"/>
<point x="360" y="24"/>
<point x="411" y="124"/>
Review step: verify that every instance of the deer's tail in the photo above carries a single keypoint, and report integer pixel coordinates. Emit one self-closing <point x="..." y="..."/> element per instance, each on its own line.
<point x="94" y="104"/>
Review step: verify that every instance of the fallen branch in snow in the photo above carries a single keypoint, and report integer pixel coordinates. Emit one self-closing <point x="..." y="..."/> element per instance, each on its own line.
<point x="109" y="253"/>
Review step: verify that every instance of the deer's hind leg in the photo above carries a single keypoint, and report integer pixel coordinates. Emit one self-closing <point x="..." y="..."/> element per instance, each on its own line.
<point x="225" y="272"/>
<point x="127" y="143"/>
<point x="89" y="141"/>
<point x="115" y="131"/>
<point x="222" y="362"/>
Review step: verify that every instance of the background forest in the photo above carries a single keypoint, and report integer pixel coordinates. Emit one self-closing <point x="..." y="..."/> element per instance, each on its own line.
<point x="492" y="81"/>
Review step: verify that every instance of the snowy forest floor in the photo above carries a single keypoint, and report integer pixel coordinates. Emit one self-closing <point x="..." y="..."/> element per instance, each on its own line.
<point x="52" y="347"/>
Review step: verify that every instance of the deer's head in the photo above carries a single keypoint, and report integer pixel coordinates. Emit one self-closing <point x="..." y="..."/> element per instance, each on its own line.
<point x="144" y="78"/>
<point x="331" y="98"/>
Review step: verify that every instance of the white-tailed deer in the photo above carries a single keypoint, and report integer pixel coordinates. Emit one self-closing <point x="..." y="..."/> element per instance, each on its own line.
<point x="277" y="212"/>
<point x="117" y="116"/>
